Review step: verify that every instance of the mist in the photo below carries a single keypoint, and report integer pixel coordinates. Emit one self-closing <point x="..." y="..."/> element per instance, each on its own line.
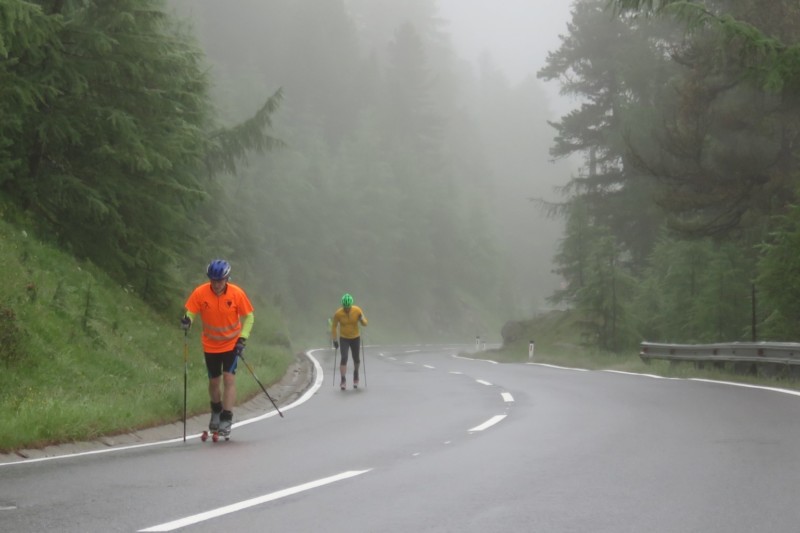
<point x="401" y="151"/>
<point x="415" y="133"/>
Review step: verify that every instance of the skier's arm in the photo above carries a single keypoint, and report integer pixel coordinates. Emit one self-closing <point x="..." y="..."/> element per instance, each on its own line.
<point x="247" y="326"/>
<point x="187" y="320"/>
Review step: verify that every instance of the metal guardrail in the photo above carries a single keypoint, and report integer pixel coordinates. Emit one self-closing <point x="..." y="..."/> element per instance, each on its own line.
<point x="782" y="353"/>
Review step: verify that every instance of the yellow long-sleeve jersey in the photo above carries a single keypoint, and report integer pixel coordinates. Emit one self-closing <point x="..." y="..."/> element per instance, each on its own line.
<point x="348" y="322"/>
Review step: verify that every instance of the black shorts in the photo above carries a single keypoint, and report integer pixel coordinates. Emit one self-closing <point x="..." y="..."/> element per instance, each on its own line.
<point x="350" y="344"/>
<point x="217" y="363"/>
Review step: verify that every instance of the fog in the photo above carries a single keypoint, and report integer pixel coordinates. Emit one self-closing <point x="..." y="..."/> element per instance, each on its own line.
<point x="415" y="134"/>
<point x="400" y="151"/>
<point x="517" y="34"/>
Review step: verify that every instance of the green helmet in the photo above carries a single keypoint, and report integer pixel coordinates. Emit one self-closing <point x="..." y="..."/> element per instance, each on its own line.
<point x="347" y="300"/>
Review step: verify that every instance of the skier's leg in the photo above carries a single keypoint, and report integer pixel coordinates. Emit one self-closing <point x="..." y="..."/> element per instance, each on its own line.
<point x="216" y="409"/>
<point x="228" y="390"/>
<point x="229" y="363"/>
<point x="214" y="367"/>
<point x="343" y="347"/>
<point x="355" y="347"/>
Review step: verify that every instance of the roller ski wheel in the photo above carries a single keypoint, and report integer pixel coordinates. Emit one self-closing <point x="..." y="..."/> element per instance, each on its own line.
<point x="213" y="434"/>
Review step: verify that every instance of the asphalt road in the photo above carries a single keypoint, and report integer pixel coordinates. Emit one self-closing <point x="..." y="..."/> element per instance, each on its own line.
<point x="443" y="443"/>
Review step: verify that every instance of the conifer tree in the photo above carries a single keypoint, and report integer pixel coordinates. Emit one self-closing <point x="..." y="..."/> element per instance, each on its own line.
<point x="115" y="137"/>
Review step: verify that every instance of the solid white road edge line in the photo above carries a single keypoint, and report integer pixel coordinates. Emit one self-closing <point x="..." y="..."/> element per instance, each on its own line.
<point x="559" y="367"/>
<point x="456" y="356"/>
<point x="208" y="515"/>
<point x="701" y="380"/>
<point x="489" y="423"/>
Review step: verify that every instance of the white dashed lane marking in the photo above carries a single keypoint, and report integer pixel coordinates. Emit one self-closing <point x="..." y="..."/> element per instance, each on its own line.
<point x="214" y="513"/>
<point x="489" y="423"/>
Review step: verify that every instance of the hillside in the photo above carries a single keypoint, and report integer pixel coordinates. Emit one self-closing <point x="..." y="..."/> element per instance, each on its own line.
<point x="84" y="357"/>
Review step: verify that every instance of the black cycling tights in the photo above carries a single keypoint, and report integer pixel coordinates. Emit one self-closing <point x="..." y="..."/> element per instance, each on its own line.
<point x="353" y="345"/>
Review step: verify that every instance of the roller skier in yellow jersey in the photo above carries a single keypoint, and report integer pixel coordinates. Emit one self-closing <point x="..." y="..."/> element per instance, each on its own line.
<point x="346" y="320"/>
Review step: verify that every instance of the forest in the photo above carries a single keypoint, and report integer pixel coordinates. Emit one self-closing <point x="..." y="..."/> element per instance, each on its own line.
<point x="682" y="224"/>
<point x="343" y="146"/>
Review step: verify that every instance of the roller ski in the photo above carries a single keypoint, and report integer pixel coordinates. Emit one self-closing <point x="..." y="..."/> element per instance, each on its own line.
<point x="213" y="434"/>
<point x="225" y="424"/>
<point x="213" y="424"/>
<point x="216" y="435"/>
<point x="222" y="430"/>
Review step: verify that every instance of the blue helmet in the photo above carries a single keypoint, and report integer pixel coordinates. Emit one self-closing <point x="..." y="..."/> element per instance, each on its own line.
<point x="218" y="269"/>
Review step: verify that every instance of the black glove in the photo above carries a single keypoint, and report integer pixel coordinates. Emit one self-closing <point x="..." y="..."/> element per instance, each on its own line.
<point x="186" y="323"/>
<point x="336" y="344"/>
<point x="239" y="348"/>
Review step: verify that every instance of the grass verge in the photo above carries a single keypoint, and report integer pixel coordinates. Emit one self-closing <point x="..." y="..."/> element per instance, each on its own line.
<point x="82" y="357"/>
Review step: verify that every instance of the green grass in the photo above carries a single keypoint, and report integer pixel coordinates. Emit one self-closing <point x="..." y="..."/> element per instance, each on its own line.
<point x="82" y="357"/>
<point x="556" y="343"/>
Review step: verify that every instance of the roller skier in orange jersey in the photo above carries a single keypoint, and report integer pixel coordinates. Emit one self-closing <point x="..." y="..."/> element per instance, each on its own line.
<point x="227" y="317"/>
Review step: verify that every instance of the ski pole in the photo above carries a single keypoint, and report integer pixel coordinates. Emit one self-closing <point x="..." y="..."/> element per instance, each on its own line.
<point x="333" y="374"/>
<point x="364" y="359"/>
<point x="185" y="376"/>
<point x="259" y="383"/>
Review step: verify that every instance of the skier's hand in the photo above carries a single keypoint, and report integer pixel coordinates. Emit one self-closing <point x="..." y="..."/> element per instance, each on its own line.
<point x="239" y="348"/>
<point x="186" y="323"/>
<point x="363" y="320"/>
<point x="336" y="344"/>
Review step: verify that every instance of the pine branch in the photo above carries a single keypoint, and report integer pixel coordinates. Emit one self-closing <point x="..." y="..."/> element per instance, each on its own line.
<point x="228" y="147"/>
<point x="774" y="65"/>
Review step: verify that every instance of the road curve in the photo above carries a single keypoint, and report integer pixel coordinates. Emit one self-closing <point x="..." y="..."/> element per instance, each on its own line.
<point x="436" y="441"/>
